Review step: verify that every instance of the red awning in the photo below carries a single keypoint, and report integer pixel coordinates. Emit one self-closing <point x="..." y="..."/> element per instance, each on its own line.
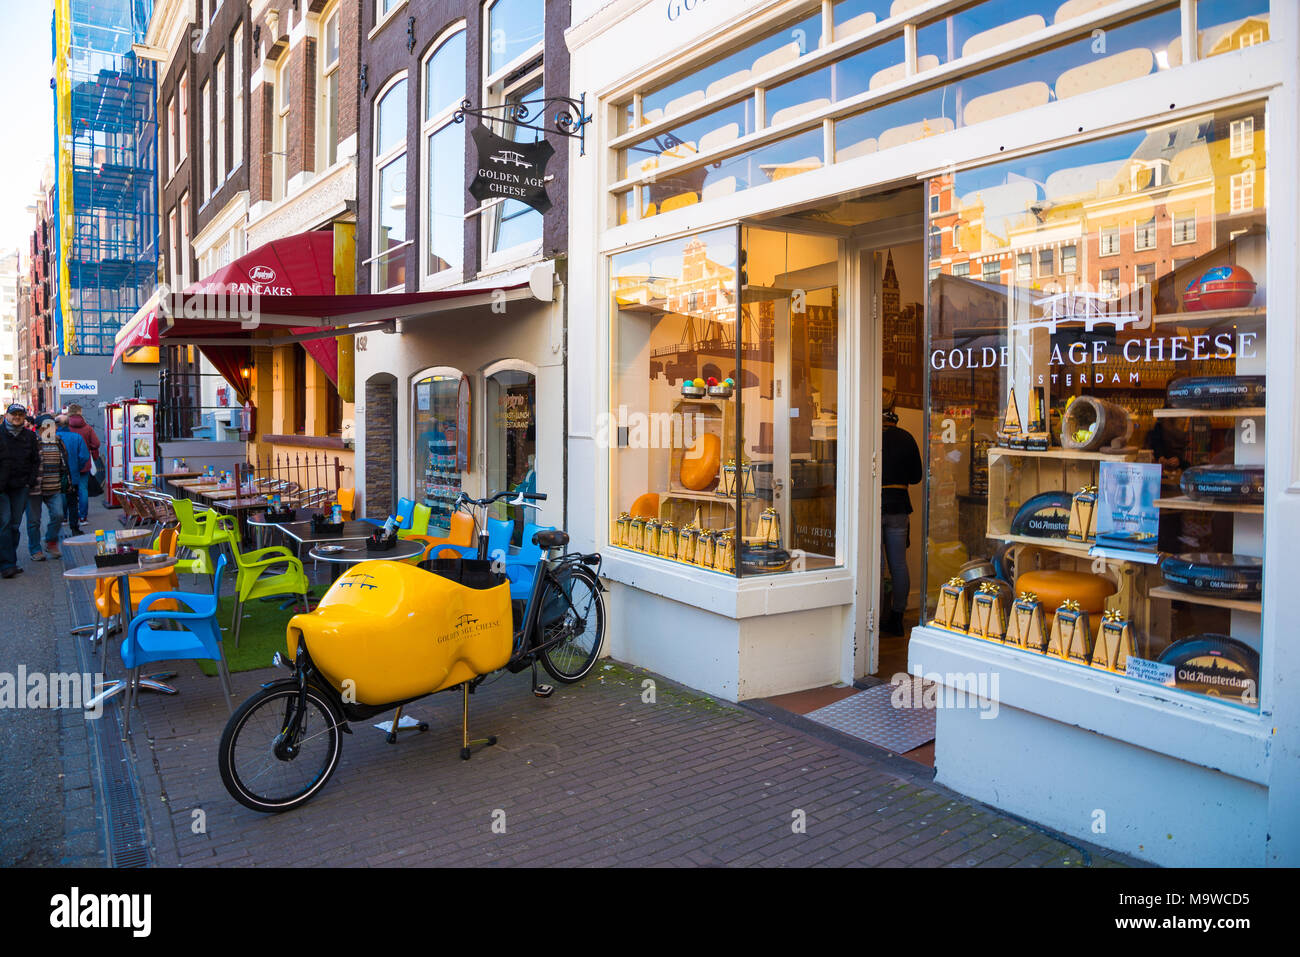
<point x="290" y="283"/>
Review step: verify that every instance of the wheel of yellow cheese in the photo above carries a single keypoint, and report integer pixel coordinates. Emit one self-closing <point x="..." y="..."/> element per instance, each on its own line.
<point x="1053" y="587"/>
<point x="700" y="463"/>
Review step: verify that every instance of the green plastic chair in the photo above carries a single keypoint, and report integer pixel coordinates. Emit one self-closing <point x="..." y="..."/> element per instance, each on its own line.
<point x="199" y="532"/>
<point x="256" y="578"/>
<point x="419" y="522"/>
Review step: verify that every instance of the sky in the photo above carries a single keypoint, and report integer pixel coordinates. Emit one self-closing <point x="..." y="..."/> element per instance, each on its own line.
<point x="26" y="115"/>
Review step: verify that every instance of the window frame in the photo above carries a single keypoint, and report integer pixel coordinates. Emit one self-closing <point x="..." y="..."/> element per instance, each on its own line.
<point x="281" y="103"/>
<point x="1145" y="230"/>
<point x="1173" y="229"/>
<point x="429" y="126"/>
<point x="206" y="171"/>
<point x="328" y="70"/>
<point x="237" y="98"/>
<point x="173" y="129"/>
<point x="183" y="122"/>
<point x="378" y="162"/>
<point x="525" y="69"/>
<point x="1241" y="137"/>
<point x="1108" y="233"/>
<point x="219" y="71"/>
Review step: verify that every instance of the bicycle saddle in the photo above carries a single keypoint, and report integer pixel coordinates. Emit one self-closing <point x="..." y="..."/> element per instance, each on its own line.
<point x="551" y="539"/>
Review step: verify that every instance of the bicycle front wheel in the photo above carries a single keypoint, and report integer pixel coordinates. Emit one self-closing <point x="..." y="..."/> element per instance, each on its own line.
<point x="261" y="767"/>
<point x="573" y="615"/>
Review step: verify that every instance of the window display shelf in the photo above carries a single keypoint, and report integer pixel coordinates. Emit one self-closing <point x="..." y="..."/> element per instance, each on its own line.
<point x="1208" y="316"/>
<point x="1251" y="412"/>
<point x="1062" y="545"/>
<point x="1192" y="505"/>
<point x="1173" y="594"/>
<point x="1059" y="453"/>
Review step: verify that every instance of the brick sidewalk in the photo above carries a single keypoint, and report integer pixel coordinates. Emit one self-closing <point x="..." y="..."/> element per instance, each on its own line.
<point x="591" y="776"/>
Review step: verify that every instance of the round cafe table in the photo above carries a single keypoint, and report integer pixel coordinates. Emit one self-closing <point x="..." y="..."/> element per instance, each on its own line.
<point x="123" y="573"/>
<point x="355" y="554"/>
<point x="80" y="550"/>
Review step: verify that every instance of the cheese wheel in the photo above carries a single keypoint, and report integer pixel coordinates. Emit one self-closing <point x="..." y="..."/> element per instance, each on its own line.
<point x="700" y="463"/>
<point x="1054" y="587"/>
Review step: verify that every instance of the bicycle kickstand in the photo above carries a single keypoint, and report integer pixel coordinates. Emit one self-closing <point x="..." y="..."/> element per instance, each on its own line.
<point x="468" y="746"/>
<point x="541" y="691"/>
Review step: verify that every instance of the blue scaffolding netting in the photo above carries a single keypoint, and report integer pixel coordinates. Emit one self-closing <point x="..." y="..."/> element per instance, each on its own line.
<point x="108" y="158"/>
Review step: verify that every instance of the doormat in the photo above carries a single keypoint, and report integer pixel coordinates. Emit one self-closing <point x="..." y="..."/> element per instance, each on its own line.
<point x="871" y="716"/>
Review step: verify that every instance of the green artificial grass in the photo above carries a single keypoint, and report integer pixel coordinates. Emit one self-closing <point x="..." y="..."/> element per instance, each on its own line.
<point x="261" y="636"/>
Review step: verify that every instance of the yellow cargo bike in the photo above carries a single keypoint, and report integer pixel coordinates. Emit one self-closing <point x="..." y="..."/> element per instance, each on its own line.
<point x="388" y="633"/>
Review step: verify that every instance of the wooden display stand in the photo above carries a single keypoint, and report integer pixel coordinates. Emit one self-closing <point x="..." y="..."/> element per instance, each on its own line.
<point x="1017" y="475"/>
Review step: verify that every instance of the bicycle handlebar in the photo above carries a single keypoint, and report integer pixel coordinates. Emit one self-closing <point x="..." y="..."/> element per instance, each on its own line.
<point x="484" y="502"/>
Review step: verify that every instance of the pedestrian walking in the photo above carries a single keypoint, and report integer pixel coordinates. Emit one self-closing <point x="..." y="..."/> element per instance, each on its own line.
<point x="79" y="463"/>
<point x="20" y="461"/>
<point x="53" y="480"/>
<point x="78" y="424"/>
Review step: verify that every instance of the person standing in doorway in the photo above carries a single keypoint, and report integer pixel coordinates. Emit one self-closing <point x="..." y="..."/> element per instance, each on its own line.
<point x="20" y="461"/>
<point x="79" y="425"/>
<point x="901" y="467"/>
<point x="79" y="463"/>
<point x="52" y="484"/>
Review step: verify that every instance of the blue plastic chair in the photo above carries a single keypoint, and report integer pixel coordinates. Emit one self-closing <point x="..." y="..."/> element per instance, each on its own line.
<point x="521" y="567"/>
<point x="500" y="532"/>
<point x="199" y="637"/>
<point x="405" y="509"/>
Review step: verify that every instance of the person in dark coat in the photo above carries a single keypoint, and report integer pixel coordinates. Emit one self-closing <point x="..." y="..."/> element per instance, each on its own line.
<point x="901" y="467"/>
<point x="20" y="462"/>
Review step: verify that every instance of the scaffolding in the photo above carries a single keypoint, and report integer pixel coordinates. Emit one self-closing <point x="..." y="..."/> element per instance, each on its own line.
<point x="107" y="134"/>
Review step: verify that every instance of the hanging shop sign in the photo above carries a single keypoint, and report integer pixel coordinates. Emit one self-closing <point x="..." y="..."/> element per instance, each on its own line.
<point x="510" y="170"/>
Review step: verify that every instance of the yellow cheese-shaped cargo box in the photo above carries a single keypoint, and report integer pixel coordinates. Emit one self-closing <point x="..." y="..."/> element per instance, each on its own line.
<point x="398" y="632"/>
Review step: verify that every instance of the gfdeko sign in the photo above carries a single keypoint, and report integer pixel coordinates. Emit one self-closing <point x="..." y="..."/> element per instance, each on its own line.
<point x="510" y="170"/>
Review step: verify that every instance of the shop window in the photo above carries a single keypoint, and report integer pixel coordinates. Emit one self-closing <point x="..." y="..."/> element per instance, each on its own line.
<point x="676" y="188"/>
<point x="849" y="77"/>
<point x="724" y="406"/>
<point x="444" y="157"/>
<point x="1227" y="25"/>
<point x="1077" y="437"/>
<point x="390" y="188"/>
<point x="440" y="441"/>
<point x="734" y="70"/>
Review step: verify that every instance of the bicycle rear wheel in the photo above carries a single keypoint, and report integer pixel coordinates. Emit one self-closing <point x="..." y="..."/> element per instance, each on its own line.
<point x="262" y="770"/>
<point x="573" y="611"/>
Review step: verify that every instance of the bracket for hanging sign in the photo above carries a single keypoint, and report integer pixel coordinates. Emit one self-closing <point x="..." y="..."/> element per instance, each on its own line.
<point x="569" y="120"/>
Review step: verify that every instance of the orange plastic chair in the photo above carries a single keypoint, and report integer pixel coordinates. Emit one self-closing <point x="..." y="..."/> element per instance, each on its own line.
<point x="461" y="534"/>
<point x="347" y="499"/>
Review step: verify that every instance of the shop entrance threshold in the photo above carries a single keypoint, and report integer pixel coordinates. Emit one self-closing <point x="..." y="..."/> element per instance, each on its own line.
<point x="866" y="712"/>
